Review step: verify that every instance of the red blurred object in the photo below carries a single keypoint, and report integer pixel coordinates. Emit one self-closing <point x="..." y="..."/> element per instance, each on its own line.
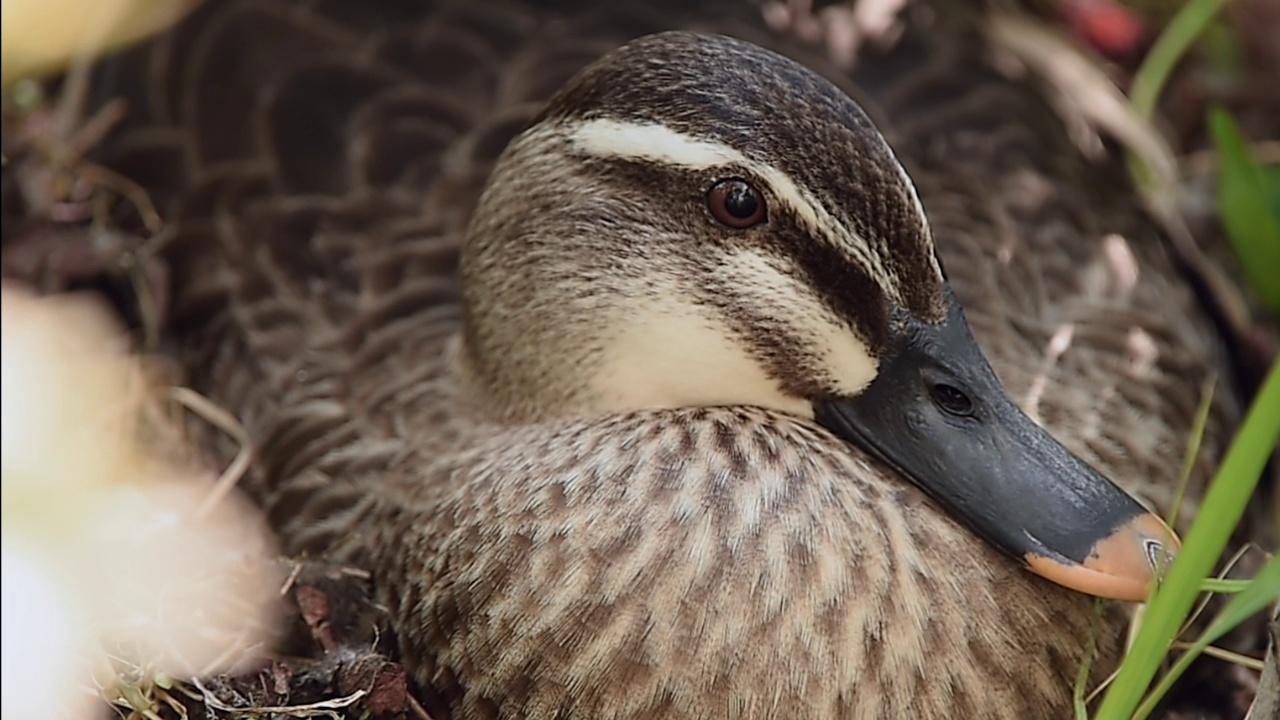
<point x="1109" y="27"/>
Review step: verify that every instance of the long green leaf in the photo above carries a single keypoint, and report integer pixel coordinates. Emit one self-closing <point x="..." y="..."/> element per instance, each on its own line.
<point x="1172" y="44"/>
<point x="1223" y="504"/>
<point x="1244" y="202"/>
<point x="1260" y="592"/>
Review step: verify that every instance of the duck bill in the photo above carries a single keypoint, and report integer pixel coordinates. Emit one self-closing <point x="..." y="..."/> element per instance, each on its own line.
<point x="969" y="447"/>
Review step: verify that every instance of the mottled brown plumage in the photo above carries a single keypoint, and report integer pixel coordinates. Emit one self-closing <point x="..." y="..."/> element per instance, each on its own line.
<point x="320" y="162"/>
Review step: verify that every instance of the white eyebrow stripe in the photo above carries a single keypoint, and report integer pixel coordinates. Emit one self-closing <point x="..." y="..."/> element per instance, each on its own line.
<point x="609" y="138"/>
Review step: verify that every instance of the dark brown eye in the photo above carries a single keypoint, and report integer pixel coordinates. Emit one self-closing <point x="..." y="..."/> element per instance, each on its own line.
<point x="952" y="400"/>
<point x="736" y="203"/>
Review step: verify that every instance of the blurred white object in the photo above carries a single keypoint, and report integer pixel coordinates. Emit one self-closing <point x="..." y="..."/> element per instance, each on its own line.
<point x="42" y="634"/>
<point x="40" y="36"/>
<point x="105" y="551"/>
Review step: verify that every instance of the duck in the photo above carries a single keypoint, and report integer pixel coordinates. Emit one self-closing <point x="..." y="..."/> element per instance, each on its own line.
<point x="661" y="372"/>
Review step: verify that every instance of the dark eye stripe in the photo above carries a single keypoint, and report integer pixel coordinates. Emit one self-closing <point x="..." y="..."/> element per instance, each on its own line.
<point x="843" y="285"/>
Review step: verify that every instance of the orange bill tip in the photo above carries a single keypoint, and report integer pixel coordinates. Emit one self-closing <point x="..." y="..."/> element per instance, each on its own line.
<point x="1120" y="566"/>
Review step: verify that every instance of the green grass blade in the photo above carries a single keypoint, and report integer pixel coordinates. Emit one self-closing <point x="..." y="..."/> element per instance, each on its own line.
<point x="1082" y="674"/>
<point x="1224" y="587"/>
<point x="1173" y="42"/>
<point x="1223" y="504"/>
<point x="1260" y="592"/>
<point x="1244" y="203"/>
<point x="1193" y="447"/>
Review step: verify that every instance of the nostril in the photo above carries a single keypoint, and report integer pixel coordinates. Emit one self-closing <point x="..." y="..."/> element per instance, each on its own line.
<point x="951" y="399"/>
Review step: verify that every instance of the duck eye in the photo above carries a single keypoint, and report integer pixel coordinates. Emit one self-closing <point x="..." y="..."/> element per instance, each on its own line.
<point x="952" y="400"/>
<point x="736" y="203"/>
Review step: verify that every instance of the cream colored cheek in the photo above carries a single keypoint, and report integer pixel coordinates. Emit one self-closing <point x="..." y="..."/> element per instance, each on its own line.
<point x="851" y="365"/>
<point x="679" y="357"/>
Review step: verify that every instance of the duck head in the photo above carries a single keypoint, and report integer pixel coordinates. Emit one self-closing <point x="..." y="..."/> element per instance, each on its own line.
<point x="696" y="221"/>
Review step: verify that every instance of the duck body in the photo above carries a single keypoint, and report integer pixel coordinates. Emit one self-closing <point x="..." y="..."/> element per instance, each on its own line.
<point x="552" y="544"/>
